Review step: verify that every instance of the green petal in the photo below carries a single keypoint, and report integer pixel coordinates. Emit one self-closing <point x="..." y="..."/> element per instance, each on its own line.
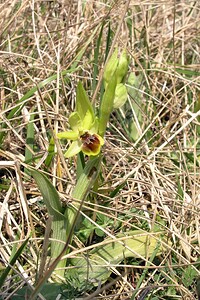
<point x="68" y="135"/>
<point x="73" y="149"/>
<point x="75" y="121"/>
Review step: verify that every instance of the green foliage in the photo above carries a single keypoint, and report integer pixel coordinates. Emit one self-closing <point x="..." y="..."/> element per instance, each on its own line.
<point x="94" y="268"/>
<point x="29" y="141"/>
<point x="12" y="262"/>
<point x="49" y="291"/>
<point x="134" y="84"/>
<point x="55" y="209"/>
<point x="189" y="275"/>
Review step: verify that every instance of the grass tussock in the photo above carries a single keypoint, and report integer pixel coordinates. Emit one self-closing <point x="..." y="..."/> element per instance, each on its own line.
<point x="149" y="181"/>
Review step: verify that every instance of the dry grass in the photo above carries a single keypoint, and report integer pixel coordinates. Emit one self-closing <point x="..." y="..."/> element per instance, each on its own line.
<point x="159" y="172"/>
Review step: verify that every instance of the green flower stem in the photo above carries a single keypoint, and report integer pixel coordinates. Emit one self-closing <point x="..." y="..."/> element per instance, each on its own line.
<point x="80" y="192"/>
<point x="71" y="214"/>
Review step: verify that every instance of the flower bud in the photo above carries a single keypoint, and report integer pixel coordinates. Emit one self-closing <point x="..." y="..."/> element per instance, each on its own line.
<point x="120" y="95"/>
<point x="122" y="67"/>
<point x="111" y="67"/>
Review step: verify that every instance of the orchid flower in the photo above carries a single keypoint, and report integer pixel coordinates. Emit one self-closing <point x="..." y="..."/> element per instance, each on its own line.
<point x="84" y="134"/>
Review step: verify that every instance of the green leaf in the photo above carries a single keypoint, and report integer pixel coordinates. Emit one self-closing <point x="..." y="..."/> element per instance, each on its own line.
<point x="189" y="276"/>
<point x="94" y="268"/>
<point x="198" y="287"/>
<point x="83" y="103"/>
<point x="82" y="188"/>
<point x="49" y="291"/>
<point x="55" y="209"/>
<point x="80" y="164"/>
<point x="49" y="193"/>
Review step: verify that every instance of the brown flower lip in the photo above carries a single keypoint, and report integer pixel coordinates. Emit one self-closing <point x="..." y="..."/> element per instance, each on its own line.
<point x="90" y="142"/>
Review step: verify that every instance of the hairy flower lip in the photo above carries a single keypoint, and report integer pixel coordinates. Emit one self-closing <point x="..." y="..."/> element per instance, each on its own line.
<point x="91" y="143"/>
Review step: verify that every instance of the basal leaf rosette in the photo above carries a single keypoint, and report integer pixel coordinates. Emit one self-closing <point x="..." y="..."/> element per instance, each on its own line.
<point x="84" y="135"/>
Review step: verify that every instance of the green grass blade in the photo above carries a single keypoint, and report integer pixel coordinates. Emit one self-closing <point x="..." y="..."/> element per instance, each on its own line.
<point x="16" y="111"/>
<point x="12" y="262"/>
<point x="51" y="152"/>
<point x="96" y="59"/>
<point x="153" y="254"/>
<point x="29" y="141"/>
<point x="108" y="41"/>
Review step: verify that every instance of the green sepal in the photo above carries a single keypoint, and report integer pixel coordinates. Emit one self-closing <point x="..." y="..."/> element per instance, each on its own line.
<point x="83" y="103"/>
<point x="73" y="149"/>
<point x="75" y="121"/>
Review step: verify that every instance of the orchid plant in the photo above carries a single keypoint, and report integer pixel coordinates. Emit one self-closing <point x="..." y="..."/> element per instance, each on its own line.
<point x="87" y="136"/>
